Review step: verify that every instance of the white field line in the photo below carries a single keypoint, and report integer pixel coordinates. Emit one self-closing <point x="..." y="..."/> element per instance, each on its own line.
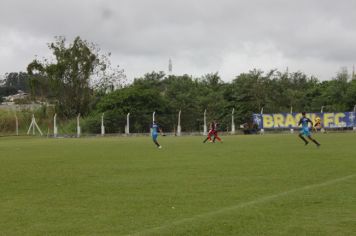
<point x="239" y="206"/>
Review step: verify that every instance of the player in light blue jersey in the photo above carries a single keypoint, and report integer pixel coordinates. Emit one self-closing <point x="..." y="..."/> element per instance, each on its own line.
<point x="155" y="129"/>
<point x="305" y="131"/>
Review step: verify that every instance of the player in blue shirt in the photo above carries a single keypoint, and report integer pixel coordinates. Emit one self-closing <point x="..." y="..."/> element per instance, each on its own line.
<point x="304" y="121"/>
<point x="155" y="129"/>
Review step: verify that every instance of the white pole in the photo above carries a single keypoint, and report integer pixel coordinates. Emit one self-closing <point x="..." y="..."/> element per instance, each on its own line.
<point x="102" y="125"/>
<point x="291" y="112"/>
<point x="179" y="128"/>
<point x="78" y="126"/>
<point x="29" y="128"/>
<point x="262" y="130"/>
<point x="154" y="116"/>
<point x="232" y="121"/>
<point x="127" y="128"/>
<point x="322" y="109"/>
<point x="205" y="127"/>
<point x="38" y="128"/>
<point x="33" y="124"/>
<point x="55" y="129"/>
<point x="17" y="125"/>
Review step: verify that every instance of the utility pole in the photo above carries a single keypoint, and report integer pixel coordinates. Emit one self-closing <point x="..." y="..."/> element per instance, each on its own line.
<point x="170" y="66"/>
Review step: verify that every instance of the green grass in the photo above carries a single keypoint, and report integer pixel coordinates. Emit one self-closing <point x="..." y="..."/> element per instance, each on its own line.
<point x="248" y="185"/>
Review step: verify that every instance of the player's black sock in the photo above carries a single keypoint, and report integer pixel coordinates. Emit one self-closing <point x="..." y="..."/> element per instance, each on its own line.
<point x="205" y="140"/>
<point x="157" y="144"/>
<point x="305" y="141"/>
<point x="316" y="142"/>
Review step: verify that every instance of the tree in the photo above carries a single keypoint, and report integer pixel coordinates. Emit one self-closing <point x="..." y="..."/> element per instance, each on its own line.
<point x="274" y="91"/>
<point x="71" y="79"/>
<point x="137" y="101"/>
<point x="6" y="91"/>
<point x="181" y="92"/>
<point x="18" y="81"/>
<point x="335" y="92"/>
<point x="13" y="82"/>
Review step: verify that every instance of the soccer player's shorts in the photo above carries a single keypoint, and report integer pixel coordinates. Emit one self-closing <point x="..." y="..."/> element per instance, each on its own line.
<point x="305" y="131"/>
<point x="154" y="136"/>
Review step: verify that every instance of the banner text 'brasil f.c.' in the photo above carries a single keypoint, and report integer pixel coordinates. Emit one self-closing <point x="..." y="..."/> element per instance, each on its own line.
<point x="290" y="120"/>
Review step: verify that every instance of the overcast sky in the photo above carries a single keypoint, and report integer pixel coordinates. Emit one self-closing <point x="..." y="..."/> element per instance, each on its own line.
<point x="201" y="36"/>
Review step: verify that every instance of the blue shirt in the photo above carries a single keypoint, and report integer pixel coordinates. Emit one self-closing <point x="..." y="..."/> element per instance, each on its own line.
<point x="304" y="122"/>
<point x="155" y="129"/>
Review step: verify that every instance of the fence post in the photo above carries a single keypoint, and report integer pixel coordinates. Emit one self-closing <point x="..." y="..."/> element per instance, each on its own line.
<point x="127" y="128"/>
<point x="102" y="125"/>
<point x="55" y="129"/>
<point x="179" y="128"/>
<point x="33" y="126"/>
<point x="233" y="121"/>
<point x="262" y="130"/>
<point x="205" y="127"/>
<point x="17" y="125"/>
<point x="78" y="126"/>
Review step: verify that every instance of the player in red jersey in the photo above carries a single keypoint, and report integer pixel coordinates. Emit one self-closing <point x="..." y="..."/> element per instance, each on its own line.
<point x="215" y="132"/>
<point x="212" y="132"/>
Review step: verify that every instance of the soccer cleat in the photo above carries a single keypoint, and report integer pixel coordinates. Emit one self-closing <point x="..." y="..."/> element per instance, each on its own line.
<point x="159" y="147"/>
<point x="306" y="143"/>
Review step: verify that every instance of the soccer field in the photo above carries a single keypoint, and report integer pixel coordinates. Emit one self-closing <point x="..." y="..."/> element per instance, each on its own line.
<point x="248" y="185"/>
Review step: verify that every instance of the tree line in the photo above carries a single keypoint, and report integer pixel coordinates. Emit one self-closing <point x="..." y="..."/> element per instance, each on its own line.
<point x="80" y="79"/>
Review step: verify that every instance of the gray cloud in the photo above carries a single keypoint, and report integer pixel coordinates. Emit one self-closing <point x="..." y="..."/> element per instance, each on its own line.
<point x="200" y="35"/>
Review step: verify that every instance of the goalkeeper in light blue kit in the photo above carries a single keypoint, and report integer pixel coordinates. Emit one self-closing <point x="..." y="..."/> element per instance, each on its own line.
<point x="304" y="121"/>
<point x="154" y="133"/>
